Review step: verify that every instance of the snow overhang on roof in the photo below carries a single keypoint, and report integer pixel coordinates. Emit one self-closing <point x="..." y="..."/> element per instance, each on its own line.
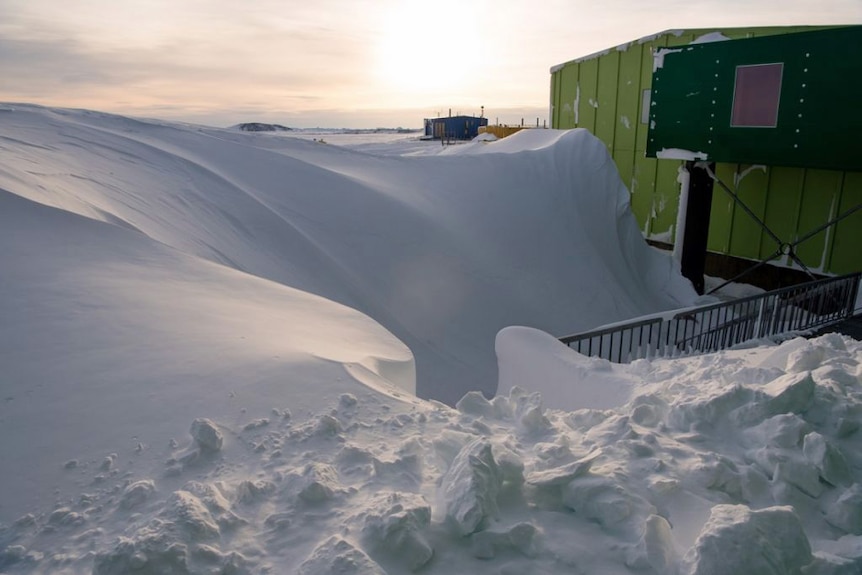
<point x="677" y="33"/>
<point x="623" y="47"/>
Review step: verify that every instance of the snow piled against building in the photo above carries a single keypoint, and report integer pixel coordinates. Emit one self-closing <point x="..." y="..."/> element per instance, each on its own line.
<point x="181" y="393"/>
<point x="443" y="251"/>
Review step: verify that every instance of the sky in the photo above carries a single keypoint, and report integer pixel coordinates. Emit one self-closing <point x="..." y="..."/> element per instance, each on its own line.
<point x="335" y="63"/>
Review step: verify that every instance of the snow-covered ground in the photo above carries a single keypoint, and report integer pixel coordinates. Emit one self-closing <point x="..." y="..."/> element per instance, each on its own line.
<point x="210" y="343"/>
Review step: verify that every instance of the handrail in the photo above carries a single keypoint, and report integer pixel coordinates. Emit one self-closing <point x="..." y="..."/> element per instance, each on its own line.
<point x="722" y="325"/>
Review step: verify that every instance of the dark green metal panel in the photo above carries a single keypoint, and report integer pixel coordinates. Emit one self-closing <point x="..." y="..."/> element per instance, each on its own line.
<point x="817" y="123"/>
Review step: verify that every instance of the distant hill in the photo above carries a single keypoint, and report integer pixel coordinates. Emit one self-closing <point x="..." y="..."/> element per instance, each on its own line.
<point x="260" y="127"/>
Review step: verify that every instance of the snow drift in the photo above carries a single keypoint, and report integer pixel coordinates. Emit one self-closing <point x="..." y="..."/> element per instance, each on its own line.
<point x="443" y="251"/>
<point x="177" y="397"/>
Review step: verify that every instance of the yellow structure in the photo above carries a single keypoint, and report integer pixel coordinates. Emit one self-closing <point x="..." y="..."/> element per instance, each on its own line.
<point x="502" y="131"/>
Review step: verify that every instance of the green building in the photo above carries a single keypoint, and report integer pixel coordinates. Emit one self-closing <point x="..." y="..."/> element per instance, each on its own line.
<point x="772" y="114"/>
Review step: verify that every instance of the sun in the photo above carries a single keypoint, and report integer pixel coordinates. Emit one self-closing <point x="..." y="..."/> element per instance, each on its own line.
<point x="430" y="51"/>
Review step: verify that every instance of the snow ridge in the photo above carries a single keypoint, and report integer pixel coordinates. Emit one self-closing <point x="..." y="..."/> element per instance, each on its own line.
<point x="443" y="251"/>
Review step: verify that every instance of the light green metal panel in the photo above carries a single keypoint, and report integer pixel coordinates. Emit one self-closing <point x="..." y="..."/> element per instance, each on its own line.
<point x="649" y="207"/>
<point x="568" y="93"/>
<point x="783" y="199"/>
<point x="625" y="161"/>
<point x="588" y="82"/>
<point x="555" y="84"/>
<point x="666" y="198"/>
<point x="642" y="190"/>
<point x="628" y="98"/>
<point x="847" y="243"/>
<point x="820" y="200"/>
<point x="746" y="233"/>
<point x="720" y="218"/>
<point x="606" y="98"/>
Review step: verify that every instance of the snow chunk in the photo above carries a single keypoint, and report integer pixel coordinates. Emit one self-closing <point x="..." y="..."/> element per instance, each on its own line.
<point x="600" y="499"/>
<point x="65" y="516"/>
<point x="706" y="410"/>
<point x="347" y="400"/>
<point x="828" y="459"/>
<point x="564" y="475"/>
<point x="800" y="474"/>
<point x="522" y="537"/>
<point x="528" y="411"/>
<point x="394" y="525"/>
<point x="320" y="483"/>
<point x="206" y="435"/>
<point x="137" y="493"/>
<point x="248" y="492"/>
<point x="785" y="430"/>
<point x="470" y="487"/>
<point x="828" y="564"/>
<point x="791" y="393"/>
<point x="846" y="512"/>
<point x="406" y="464"/>
<point x="217" y="504"/>
<point x="655" y="549"/>
<point x="807" y="357"/>
<point x="678" y="153"/>
<point x="12" y="555"/>
<point x="256" y="424"/>
<point x="474" y="403"/>
<point x="336" y="556"/>
<point x="709" y="38"/>
<point x="736" y="539"/>
<point x="152" y="552"/>
<point x="189" y="512"/>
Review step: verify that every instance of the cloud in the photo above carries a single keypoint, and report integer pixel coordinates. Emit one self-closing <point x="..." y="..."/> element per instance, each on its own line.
<point x="325" y="58"/>
<point x="68" y="69"/>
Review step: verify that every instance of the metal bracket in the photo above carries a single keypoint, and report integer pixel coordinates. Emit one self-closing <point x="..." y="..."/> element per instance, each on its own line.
<point x="784" y="248"/>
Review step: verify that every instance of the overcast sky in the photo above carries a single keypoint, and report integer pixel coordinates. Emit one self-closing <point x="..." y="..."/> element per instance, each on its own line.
<point x="335" y="63"/>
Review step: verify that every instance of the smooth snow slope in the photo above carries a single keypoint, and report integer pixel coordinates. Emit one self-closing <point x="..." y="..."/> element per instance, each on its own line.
<point x="443" y="251"/>
<point x="108" y="339"/>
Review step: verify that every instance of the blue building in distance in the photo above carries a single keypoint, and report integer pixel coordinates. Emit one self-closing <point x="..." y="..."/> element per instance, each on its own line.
<point x="454" y="127"/>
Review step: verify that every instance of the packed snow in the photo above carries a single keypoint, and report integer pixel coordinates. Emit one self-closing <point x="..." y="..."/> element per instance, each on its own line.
<point x="229" y="352"/>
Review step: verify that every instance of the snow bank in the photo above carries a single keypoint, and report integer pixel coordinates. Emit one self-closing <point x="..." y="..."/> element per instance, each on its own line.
<point x="113" y="343"/>
<point x="534" y="360"/>
<point x="364" y="486"/>
<point x="178" y="398"/>
<point x="443" y="251"/>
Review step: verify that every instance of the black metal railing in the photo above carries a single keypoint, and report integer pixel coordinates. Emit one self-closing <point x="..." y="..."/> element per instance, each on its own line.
<point x="722" y="325"/>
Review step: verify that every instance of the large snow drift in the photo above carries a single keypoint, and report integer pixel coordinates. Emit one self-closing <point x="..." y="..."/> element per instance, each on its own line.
<point x="443" y="251"/>
<point x="178" y="398"/>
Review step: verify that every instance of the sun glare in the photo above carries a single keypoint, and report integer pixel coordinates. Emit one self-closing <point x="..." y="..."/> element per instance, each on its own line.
<point x="430" y="51"/>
